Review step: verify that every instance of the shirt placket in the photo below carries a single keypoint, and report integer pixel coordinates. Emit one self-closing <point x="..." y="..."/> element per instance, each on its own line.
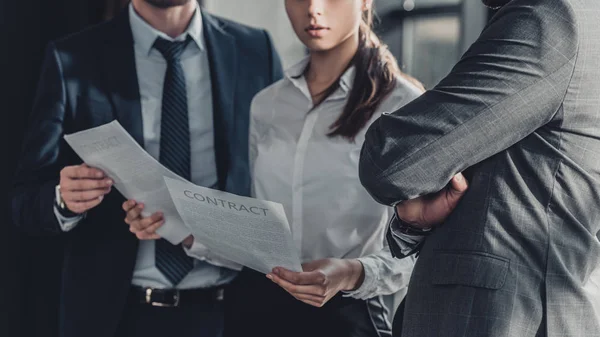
<point x="298" y="178"/>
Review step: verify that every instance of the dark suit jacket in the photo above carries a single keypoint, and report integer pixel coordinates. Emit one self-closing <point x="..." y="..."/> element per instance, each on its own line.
<point x="521" y="111"/>
<point x="89" y="79"/>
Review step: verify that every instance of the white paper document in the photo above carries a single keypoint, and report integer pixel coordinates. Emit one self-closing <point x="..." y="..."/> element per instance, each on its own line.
<point x="135" y="173"/>
<point x="251" y="232"/>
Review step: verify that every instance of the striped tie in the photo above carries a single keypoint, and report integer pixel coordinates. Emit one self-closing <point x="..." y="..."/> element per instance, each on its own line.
<point x="171" y="260"/>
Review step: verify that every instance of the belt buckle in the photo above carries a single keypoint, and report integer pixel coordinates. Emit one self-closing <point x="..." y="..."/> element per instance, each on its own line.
<point x="160" y="304"/>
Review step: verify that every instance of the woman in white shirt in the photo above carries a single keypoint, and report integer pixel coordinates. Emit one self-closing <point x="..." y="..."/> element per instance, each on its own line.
<point x="306" y="134"/>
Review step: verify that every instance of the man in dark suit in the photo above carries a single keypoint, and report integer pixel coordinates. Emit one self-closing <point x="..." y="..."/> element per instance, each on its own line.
<point x="519" y="114"/>
<point x="180" y="81"/>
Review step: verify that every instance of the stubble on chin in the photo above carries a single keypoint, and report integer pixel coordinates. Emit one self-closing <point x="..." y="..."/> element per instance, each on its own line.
<point x="495" y="4"/>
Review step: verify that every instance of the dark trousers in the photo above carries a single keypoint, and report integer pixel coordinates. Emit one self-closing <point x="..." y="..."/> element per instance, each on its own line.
<point x="259" y="307"/>
<point x="191" y="320"/>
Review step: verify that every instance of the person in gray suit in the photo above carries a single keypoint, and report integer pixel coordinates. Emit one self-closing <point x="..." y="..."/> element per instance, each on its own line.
<point x="519" y="115"/>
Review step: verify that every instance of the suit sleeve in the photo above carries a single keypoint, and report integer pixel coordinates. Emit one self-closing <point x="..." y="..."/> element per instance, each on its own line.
<point x="38" y="169"/>
<point x="275" y="67"/>
<point x="509" y="83"/>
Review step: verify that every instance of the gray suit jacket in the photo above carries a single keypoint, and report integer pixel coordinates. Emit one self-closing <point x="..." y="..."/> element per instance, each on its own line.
<point x="520" y="112"/>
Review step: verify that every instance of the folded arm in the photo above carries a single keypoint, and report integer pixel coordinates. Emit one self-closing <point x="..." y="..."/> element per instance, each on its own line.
<point x="508" y="84"/>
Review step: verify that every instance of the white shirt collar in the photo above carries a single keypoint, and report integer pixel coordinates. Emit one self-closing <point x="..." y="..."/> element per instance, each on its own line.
<point x="295" y="72"/>
<point x="144" y="34"/>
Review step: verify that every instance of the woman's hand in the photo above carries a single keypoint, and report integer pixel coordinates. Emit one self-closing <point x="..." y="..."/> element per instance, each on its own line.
<point x="320" y="280"/>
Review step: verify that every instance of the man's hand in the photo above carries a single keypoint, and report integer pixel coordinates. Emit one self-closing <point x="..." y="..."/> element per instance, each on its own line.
<point x="320" y="280"/>
<point x="431" y="210"/>
<point x="143" y="227"/>
<point x="83" y="187"/>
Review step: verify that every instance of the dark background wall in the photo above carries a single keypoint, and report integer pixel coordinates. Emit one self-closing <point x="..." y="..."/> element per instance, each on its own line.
<point x="29" y="266"/>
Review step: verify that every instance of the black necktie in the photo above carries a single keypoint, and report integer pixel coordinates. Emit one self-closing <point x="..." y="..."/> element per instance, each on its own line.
<point x="171" y="260"/>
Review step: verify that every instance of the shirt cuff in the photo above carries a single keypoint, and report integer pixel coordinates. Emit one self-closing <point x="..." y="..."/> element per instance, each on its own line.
<point x="68" y="223"/>
<point x="406" y="242"/>
<point x="367" y="288"/>
<point x="202" y="253"/>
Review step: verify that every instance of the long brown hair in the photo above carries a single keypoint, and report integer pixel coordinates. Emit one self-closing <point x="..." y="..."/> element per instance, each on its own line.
<point x="376" y="71"/>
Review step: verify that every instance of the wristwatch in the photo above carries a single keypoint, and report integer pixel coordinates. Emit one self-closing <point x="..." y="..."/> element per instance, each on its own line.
<point x="60" y="204"/>
<point x="410" y="229"/>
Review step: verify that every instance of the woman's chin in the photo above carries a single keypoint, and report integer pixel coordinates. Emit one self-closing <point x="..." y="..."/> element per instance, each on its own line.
<point x="319" y="47"/>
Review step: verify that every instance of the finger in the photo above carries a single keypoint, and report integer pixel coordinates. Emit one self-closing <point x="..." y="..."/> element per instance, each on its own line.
<point x="314" y="300"/>
<point x="310" y="299"/>
<point x="147" y="222"/>
<point x="458" y="187"/>
<point x="459" y="183"/>
<point x="144" y="236"/>
<point x="311" y="277"/>
<point x="128" y="205"/>
<point x="83" y="172"/>
<point x="151" y="230"/>
<point x="85" y="184"/>
<point x="448" y="199"/>
<point x="311" y="290"/>
<point x="134" y="213"/>
<point x="69" y="172"/>
<point x="78" y="196"/>
<point x="84" y="206"/>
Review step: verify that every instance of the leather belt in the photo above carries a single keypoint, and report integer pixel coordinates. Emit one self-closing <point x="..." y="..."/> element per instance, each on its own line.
<point x="176" y="297"/>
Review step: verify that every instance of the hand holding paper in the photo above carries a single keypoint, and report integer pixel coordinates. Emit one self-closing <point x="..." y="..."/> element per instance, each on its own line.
<point x="82" y="187"/>
<point x="135" y="173"/>
<point x="247" y="231"/>
<point x="144" y="228"/>
<point x="251" y="232"/>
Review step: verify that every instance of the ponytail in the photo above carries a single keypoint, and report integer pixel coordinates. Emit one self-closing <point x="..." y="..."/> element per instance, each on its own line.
<point x="376" y="77"/>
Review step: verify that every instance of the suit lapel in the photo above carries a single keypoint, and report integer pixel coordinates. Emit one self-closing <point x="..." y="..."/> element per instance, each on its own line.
<point x="122" y="82"/>
<point x="121" y="77"/>
<point x="222" y="60"/>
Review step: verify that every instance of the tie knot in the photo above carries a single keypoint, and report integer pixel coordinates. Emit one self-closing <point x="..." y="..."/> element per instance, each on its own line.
<point x="171" y="50"/>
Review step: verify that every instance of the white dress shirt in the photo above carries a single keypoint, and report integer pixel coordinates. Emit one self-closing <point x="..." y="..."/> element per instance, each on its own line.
<point x="151" y="68"/>
<point x="315" y="177"/>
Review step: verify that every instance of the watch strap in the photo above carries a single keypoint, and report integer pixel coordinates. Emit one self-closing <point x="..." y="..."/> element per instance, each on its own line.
<point x="410" y="229"/>
<point x="61" y="206"/>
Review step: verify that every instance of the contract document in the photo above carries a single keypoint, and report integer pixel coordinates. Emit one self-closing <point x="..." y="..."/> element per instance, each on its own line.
<point x="251" y="232"/>
<point x="135" y="173"/>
